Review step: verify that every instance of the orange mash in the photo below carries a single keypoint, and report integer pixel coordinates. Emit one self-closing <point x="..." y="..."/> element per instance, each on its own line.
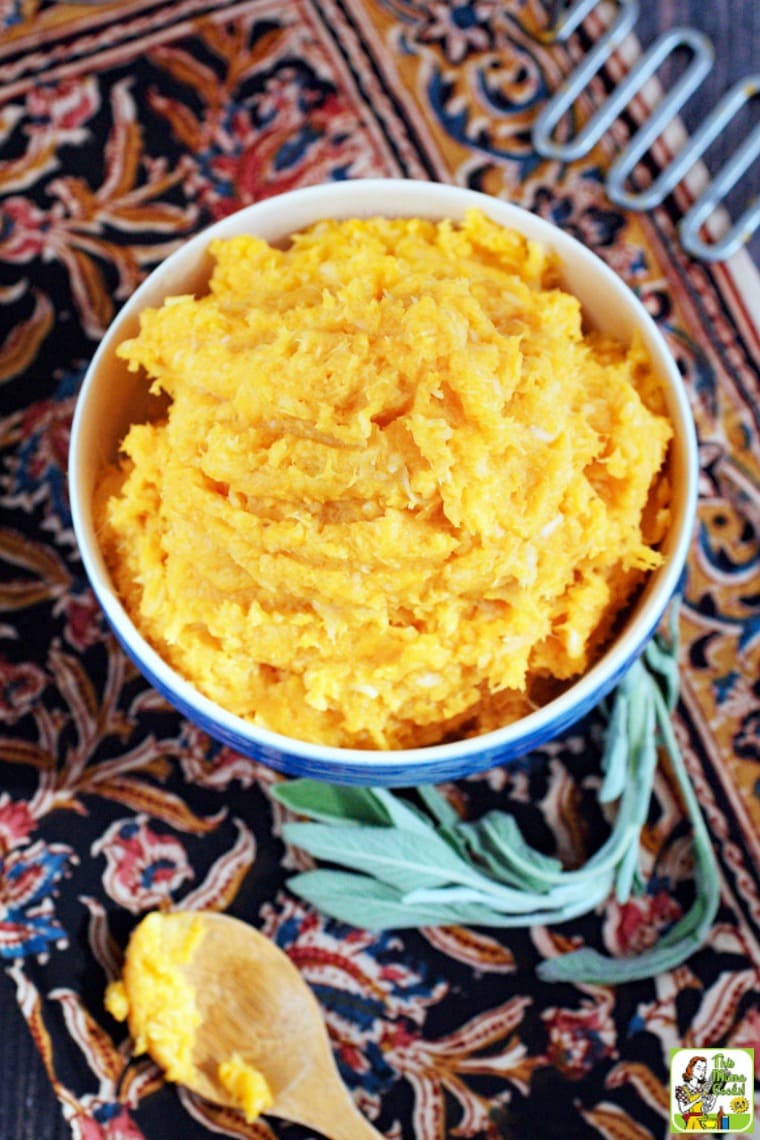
<point x="399" y="494"/>
<point x="159" y="1004"/>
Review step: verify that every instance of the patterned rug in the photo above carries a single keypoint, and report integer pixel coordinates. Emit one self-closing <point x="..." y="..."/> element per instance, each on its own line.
<point x="126" y="126"/>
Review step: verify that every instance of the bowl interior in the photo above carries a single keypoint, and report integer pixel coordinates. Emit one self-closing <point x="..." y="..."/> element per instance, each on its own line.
<point x="112" y="398"/>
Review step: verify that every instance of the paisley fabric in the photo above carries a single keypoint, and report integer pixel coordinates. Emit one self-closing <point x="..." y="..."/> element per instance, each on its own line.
<point x="126" y="126"/>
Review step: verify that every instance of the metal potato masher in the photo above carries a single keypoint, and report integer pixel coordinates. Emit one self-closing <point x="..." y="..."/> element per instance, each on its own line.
<point x="564" y="19"/>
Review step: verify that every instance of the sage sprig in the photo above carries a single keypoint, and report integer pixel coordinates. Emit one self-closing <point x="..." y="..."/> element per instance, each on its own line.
<point x="411" y="866"/>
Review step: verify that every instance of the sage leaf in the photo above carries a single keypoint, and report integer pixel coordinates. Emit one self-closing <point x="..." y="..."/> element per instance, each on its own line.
<point x="331" y="802"/>
<point x="497" y="843"/>
<point x="642" y="734"/>
<point x="373" y="905"/>
<point x="453" y="836"/>
<point x="556" y="906"/>
<point x="661" y="656"/>
<point x="685" y="936"/>
<point x="404" y="859"/>
<point x="615" y="755"/>
<point x="402" y="814"/>
<point x="439" y="807"/>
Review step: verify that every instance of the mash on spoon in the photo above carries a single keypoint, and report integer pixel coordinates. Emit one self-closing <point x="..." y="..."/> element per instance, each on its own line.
<point x="160" y="1006"/>
<point x="399" y="493"/>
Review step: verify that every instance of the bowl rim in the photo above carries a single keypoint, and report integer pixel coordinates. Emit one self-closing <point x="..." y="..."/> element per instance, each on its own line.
<point x="449" y="201"/>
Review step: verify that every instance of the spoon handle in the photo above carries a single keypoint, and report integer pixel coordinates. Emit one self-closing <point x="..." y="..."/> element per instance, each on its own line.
<point x="349" y="1125"/>
<point x="331" y="1110"/>
<point x="353" y="1130"/>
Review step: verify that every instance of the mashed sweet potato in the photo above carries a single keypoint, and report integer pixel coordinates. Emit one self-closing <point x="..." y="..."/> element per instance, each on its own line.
<point x="399" y="493"/>
<point x="157" y="998"/>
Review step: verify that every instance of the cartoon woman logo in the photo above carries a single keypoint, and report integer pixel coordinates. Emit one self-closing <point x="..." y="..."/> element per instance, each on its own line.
<point x="694" y="1096"/>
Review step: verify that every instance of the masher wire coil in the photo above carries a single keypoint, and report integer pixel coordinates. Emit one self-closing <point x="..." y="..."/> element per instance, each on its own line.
<point x="563" y="22"/>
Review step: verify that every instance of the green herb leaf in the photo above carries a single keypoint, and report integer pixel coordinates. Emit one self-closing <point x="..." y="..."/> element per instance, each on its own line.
<point x="404" y="859"/>
<point x="661" y="656"/>
<point x="403" y="814"/>
<point x="497" y="843"/>
<point x="615" y="756"/>
<point x="332" y="802"/>
<point x="525" y="910"/>
<point x="685" y="936"/>
<point x="381" y="906"/>
<point x="439" y="807"/>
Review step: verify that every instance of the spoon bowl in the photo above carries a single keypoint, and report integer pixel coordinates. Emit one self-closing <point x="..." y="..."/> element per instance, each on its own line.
<point x="254" y="1002"/>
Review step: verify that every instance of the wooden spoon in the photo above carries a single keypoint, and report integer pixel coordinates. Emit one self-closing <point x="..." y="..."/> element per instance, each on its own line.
<point x="254" y="1002"/>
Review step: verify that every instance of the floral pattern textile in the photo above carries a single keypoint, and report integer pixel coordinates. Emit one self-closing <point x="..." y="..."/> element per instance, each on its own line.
<point x="125" y="127"/>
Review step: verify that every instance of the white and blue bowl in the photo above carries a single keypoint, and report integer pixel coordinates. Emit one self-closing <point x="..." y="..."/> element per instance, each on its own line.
<point x="112" y="398"/>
